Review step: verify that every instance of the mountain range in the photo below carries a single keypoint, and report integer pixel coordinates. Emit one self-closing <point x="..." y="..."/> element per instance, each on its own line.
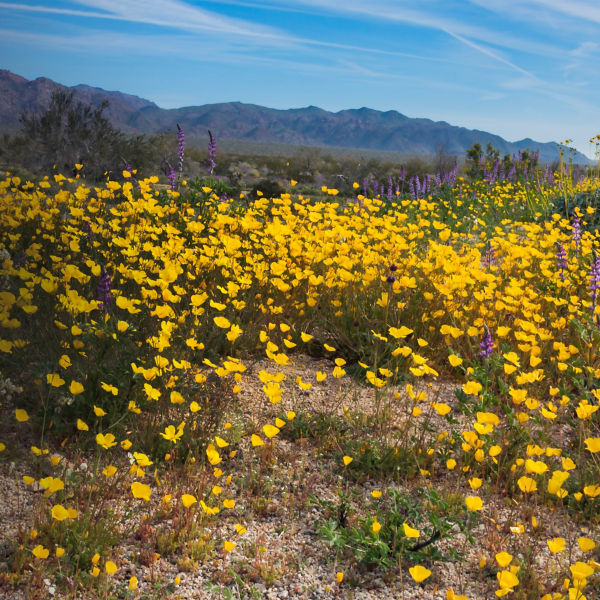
<point x="361" y="128"/>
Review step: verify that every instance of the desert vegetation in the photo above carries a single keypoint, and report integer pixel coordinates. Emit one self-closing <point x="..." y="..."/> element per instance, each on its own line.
<point x="388" y="387"/>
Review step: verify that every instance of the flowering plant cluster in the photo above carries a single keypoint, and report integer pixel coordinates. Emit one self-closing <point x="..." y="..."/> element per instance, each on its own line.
<point x="129" y="318"/>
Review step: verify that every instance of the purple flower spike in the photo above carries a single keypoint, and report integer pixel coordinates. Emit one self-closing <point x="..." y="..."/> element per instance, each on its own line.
<point x="87" y="229"/>
<point x="561" y="259"/>
<point x="171" y="178"/>
<point x="486" y="344"/>
<point x="212" y="152"/>
<point x="489" y="258"/>
<point x="594" y="279"/>
<point x="103" y="294"/>
<point x="576" y="231"/>
<point x="180" y="147"/>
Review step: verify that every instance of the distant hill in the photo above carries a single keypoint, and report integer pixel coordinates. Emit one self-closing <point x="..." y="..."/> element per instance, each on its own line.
<point x="362" y="128"/>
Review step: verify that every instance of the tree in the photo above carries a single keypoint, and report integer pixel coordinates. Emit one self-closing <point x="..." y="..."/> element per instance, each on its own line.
<point x="491" y="156"/>
<point x="474" y="156"/>
<point x="443" y="162"/>
<point x="71" y="132"/>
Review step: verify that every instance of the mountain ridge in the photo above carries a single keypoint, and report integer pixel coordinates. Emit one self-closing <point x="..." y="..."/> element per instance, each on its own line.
<point x="360" y="128"/>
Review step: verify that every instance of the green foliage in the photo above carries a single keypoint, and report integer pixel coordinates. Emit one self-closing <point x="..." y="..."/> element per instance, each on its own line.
<point x="218" y="186"/>
<point x="491" y="155"/>
<point x="237" y="590"/>
<point x="350" y="531"/>
<point x="82" y="538"/>
<point x="474" y="156"/>
<point x="479" y="161"/>
<point x="580" y="201"/>
<point x="269" y="189"/>
<point x="314" y="426"/>
<point x="374" y="459"/>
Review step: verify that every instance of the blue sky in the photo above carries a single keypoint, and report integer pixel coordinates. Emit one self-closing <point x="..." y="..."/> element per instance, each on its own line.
<point x="518" y="68"/>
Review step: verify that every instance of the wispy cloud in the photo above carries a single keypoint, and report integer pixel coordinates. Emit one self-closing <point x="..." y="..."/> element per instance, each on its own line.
<point x="436" y="15"/>
<point x="585" y="49"/>
<point x="490" y="53"/>
<point x="456" y="29"/>
<point x="164" y="13"/>
<point x="200" y="50"/>
<point x="174" y="14"/>
<point x="431" y="15"/>
<point x="587" y="11"/>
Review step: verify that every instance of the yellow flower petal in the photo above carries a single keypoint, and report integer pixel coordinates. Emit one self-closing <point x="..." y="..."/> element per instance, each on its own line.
<point x="110" y="567"/>
<point x="474" y="503"/>
<point x="410" y="532"/>
<point x="419" y="573"/>
<point x="188" y="500"/>
<point x="556" y="545"/>
<point x="21" y="415"/>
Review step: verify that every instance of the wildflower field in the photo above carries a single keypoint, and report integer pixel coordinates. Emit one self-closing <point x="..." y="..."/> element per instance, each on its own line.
<point x="384" y="395"/>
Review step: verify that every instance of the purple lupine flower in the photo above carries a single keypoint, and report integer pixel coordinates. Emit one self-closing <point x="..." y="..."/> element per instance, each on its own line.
<point x="594" y="279"/>
<point x="486" y="344"/>
<point x="390" y="189"/>
<point x="171" y="177"/>
<point x="402" y="173"/>
<point x="212" y="152"/>
<point x="129" y="169"/>
<point x="576" y="231"/>
<point x="561" y="259"/>
<point x="375" y="188"/>
<point x="411" y="188"/>
<point x="489" y="258"/>
<point x="180" y="147"/>
<point x="365" y="187"/>
<point x="450" y="177"/>
<point x="87" y="229"/>
<point x="390" y="279"/>
<point x="103" y="294"/>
